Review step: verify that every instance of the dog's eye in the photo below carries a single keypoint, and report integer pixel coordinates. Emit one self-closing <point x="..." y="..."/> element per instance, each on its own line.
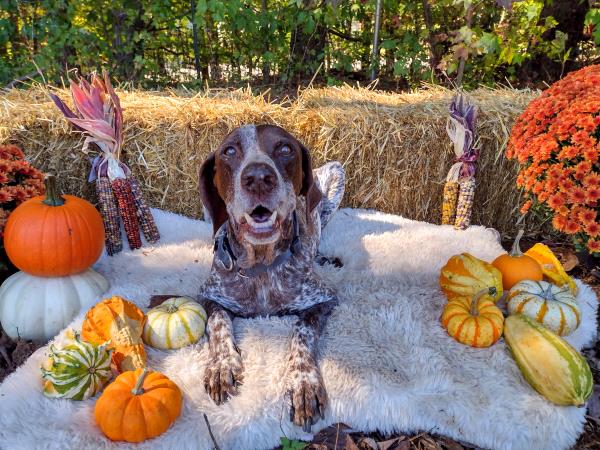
<point x="230" y="151"/>
<point x="285" y="150"/>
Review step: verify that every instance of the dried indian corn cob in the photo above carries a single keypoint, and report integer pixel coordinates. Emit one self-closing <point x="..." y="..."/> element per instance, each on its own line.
<point x="143" y="213"/>
<point x="451" y="189"/>
<point x="122" y="190"/>
<point x="110" y="215"/>
<point x="464" y="207"/>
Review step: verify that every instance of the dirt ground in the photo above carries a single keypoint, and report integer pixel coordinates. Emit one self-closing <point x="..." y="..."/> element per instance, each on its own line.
<point x="340" y="436"/>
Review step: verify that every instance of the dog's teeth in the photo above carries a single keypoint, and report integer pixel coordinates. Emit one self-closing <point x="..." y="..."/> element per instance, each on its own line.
<point x="273" y="217"/>
<point x="249" y="219"/>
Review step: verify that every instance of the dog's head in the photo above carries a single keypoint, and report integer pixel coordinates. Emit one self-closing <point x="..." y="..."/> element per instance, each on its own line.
<point x="254" y="178"/>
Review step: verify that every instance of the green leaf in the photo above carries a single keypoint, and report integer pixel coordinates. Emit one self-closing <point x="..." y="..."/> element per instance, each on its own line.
<point x="489" y="42"/>
<point x="288" y="444"/>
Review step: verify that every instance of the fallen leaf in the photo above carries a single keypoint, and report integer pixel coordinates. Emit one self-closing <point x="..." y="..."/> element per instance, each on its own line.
<point x="392" y="444"/>
<point x="317" y="447"/>
<point x="332" y="435"/>
<point x="427" y="442"/>
<point x="569" y="260"/>
<point x="350" y="444"/>
<point x="449" y="444"/>
<point x="367" y="444"/>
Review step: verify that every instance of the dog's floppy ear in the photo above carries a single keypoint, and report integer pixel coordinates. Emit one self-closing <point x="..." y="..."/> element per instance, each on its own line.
<point x="309" y="189"/>
<point x="209" y="195"/>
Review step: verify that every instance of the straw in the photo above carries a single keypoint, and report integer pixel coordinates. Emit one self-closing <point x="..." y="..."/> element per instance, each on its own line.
<point x="394" y="147"/>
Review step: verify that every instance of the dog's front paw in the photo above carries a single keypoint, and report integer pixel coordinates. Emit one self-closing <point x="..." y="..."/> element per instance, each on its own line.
<point x="307" y="395"/>
<point x="222" y="376"/>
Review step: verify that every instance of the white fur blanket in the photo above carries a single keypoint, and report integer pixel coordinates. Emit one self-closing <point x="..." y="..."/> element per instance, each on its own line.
<point x="387" y="363"/>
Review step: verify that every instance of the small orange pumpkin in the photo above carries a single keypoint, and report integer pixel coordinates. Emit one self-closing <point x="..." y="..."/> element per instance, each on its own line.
<point x="137" y="406"/>
<point x="54" y="235"/>
<point x="475" y="321"/>
<point x="122" y="323"/>
<point x="516" y="266"/>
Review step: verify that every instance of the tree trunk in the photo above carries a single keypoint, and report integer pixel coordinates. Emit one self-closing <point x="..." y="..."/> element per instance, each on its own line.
<point x="461" y="64"/>
<point x="266" y="67"/>
<point x="435" y="55"/>
<point x="307" y="50"/>
<point x="195" y="38"/>
<point x="213" y="39"/>
<point x="570" y="15"/>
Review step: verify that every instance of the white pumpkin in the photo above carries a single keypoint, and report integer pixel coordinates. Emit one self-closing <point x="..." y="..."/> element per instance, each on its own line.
<point x="39" y="307"/>
<point x="554" y="307"/>
<point x="175" y="323"/>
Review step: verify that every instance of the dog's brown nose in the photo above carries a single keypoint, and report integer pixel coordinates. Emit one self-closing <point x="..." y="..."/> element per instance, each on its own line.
<point x="259" y="178"/>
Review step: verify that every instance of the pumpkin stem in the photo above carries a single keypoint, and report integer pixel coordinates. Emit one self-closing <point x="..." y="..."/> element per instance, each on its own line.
<point x="476" y="299"/>
<point x="53" y="198"/>
<point x="516" y="248"/>
<point x="138" y="389"/>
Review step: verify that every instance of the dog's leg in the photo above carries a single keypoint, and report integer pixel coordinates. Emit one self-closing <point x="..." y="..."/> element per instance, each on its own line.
<point x="224" y="371"/>
<point x="306" y="391"/>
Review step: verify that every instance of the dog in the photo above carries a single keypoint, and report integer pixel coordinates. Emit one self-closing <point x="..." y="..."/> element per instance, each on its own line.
<point x="267" y="208"/>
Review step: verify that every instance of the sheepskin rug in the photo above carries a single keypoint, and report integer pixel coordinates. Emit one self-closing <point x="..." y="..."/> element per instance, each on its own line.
<point x="387" y="363"/>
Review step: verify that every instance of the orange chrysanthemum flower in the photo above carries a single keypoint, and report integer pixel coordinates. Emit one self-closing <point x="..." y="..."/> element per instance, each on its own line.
<point x="594" y="246"/>
<point x="587" y="215"/>
<point x="592" y="229"/>
<point x="526" y="206"/>
<point x="592" y="194"/>
<point x="577" y="196"/>
<point x="559" y="222"/>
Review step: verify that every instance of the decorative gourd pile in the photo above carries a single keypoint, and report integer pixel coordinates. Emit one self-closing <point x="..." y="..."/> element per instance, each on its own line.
<point x="139" y="404"/>
<point x="54" y="240"/>
<point x="539" y="313"/>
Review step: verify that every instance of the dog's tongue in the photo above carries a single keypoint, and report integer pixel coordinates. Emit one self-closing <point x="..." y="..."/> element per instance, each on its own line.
<point x="261" y="214"/>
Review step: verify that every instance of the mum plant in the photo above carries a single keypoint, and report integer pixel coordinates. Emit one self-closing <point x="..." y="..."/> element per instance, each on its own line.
<point x="19" y="181"/>
<point x="556" y="140"/>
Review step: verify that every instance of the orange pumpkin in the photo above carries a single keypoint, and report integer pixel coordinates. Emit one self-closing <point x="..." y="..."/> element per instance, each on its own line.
<point x="516" y="266"/>
<point x="137" y="406"/>
<point x="54" y="235"/>
<point x="475" y="321"/>
<point x="122" y="323"/>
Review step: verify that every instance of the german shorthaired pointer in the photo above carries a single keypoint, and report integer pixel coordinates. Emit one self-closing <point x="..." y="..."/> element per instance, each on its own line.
<point x="267" y="209"/>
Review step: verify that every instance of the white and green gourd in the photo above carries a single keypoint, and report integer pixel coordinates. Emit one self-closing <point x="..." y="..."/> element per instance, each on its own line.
<point x="553" y="306"/>
<point x="547" y="362"/>
<point x="175" y="323"/>
<point x="77" y="370"/>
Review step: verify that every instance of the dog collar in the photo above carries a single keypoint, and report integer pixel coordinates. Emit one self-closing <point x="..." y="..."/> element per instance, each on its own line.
<point x="227" y="259"/>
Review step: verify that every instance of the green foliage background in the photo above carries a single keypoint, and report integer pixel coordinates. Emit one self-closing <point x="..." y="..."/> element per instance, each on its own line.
<point x="151" y="43"/>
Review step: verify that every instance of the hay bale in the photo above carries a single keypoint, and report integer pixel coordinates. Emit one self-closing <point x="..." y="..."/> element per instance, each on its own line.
<point x="394" y="146"/>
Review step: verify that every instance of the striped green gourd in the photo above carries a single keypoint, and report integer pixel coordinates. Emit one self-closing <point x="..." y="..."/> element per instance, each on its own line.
<point x="549" y="364"/>
<point x="77" y="370"/>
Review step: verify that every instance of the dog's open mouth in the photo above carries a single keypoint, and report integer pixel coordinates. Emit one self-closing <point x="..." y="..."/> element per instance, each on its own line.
<point x="261" y="221"/>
